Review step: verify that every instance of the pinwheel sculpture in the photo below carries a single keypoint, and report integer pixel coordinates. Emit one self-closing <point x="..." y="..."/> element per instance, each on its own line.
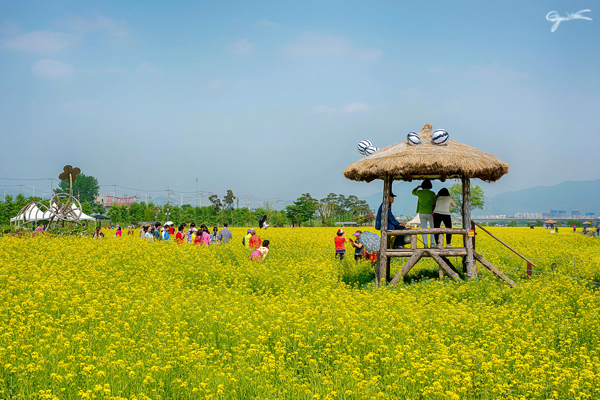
<point x="63" y="206"/>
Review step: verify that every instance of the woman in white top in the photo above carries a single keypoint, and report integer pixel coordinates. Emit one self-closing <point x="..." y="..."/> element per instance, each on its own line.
<point x="441" y="213"/>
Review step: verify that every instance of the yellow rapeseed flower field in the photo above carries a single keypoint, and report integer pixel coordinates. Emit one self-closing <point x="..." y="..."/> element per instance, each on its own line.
<point x="121" y="318"/>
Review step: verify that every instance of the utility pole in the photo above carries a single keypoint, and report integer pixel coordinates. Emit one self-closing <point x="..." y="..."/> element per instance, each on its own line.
<point x="20" y="187"/>
<point x="116" y="192"/>
<point x="248" y="202"/>
<point x="277" y="202"/>
<point x="196" y="192"/>
<point x="237" y="204"/>
<point x="181" y="201"/>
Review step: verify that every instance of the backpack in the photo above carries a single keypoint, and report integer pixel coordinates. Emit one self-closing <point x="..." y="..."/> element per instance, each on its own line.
<point x="244" y="240"/>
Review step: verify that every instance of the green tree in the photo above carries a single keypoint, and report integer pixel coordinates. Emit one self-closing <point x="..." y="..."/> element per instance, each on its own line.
<point x="7" y="210"/>
<point x="86" y="208"/>
<point x="229" y="198"/>
<point x="539" y="222"/>
<point x="85" y="188"/>
<point x="302" y="210"/>
<point x="477" y="198"/>
<point x="214" y="199"/>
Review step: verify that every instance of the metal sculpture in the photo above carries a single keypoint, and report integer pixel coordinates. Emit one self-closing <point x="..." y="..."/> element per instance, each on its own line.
<point x="63" y="206"/>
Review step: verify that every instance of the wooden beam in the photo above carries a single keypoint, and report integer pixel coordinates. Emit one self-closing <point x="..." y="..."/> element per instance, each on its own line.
<point x="450" y="231"/>
<point x="494" y="270"/>
<point x="453" y="252"/>
<point x="407" y="267"/>
<point x="383" y="259"/>
<point x="507" y="246"/>
<point x="413" y="242"/>
<point x="444" y="266"/>
<point x="466" y="214"/>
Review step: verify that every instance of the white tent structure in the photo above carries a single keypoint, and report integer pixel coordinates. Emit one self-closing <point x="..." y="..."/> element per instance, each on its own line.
<point x="415" y="221"/>
<point x="34" y="214"/>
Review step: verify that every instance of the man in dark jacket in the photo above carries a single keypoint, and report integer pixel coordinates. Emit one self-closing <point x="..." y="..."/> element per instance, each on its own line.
<point x="392" y="223"/>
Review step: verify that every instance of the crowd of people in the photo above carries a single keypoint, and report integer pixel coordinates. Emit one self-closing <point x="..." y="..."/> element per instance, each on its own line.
<point x="196" y="236"/>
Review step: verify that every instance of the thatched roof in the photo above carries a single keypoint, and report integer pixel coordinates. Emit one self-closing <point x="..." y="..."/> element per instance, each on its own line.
<point x="550" y="221"/>
<point x="426" y="160"/>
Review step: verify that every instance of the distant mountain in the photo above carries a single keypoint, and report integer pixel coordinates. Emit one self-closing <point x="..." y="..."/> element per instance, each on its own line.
<point x="574" y="195"/>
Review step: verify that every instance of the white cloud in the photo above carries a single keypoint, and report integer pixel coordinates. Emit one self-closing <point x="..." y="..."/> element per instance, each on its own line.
<point x="496" y="73"/>
<point x="86" y="107"/>
<point x="146" y="68"/>
<point x="263" y="23"/>
<point x="118" y="29"/>
<point x="242" y="47"/>
<point x="45" y="42"/>
<point x="313" y="45"/>
<point x="355" y="107"/>
<point x="323" y="110"/>
<point x="39" y="42"/>
<point x="52" y="69"/>
<point x="10" y="28"/>
<point x="345" y="109"/>
<point x="216" y="83"/>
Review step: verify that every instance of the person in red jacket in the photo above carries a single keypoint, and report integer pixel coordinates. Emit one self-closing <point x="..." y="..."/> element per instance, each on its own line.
<point x="340" y="241"/>
<point x="179" y="236"/>
<point x="254" y="241"/>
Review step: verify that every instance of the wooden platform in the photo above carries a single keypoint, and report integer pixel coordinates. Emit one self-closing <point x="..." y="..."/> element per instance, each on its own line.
<point x="451" y="252"/>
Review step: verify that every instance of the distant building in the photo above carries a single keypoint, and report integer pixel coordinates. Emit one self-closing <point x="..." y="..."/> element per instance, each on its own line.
<point x="108" y="201"/>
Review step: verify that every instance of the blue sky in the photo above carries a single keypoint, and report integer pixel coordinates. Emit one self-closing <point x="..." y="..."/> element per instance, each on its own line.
<point x="269" y="99"/>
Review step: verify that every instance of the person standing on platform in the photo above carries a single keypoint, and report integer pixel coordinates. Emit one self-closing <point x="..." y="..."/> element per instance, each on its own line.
<point x="392" y="223"/>
<point x="441" y="213"/>
<point x="425" y="207"/>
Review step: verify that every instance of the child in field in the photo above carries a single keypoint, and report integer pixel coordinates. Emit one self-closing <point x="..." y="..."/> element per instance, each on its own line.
<point x="203" y="233"/>
<point x="98" y="234"/>
<point x="119" y="232"/>
<point x="340" y="247"/>
<point x="261" y="253"/>
<point x="179" y="235"/>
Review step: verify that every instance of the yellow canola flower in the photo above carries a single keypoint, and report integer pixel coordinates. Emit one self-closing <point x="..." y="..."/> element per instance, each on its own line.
<point x="123" y="318"/>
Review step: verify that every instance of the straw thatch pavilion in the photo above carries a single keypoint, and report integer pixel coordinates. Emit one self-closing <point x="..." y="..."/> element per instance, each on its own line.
<point x="452" y="160"/>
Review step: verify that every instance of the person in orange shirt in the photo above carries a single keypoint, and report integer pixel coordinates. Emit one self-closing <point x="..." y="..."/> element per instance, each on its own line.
<point x="254" y="241"/>
<point x="340" y="240"/>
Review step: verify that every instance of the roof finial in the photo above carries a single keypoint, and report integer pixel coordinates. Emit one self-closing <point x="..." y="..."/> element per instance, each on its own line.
<point x="427" y="127"/>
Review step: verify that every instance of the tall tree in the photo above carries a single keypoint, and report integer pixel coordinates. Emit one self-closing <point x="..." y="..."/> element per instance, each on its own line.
<point x="228" y="199"/>
<point x="85" y="187"/>
<point x="303" y="209"/>
<point x="214" y="199"/>
<point x="477" y="198"/>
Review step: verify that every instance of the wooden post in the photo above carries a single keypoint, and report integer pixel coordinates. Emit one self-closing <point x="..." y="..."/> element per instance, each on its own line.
<point x="383" y="258"/>
<point x="494" y="270"/>
<point x="466" y="219"/>
<point x="529" y="270"/>
<point x="413" y="242"/>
